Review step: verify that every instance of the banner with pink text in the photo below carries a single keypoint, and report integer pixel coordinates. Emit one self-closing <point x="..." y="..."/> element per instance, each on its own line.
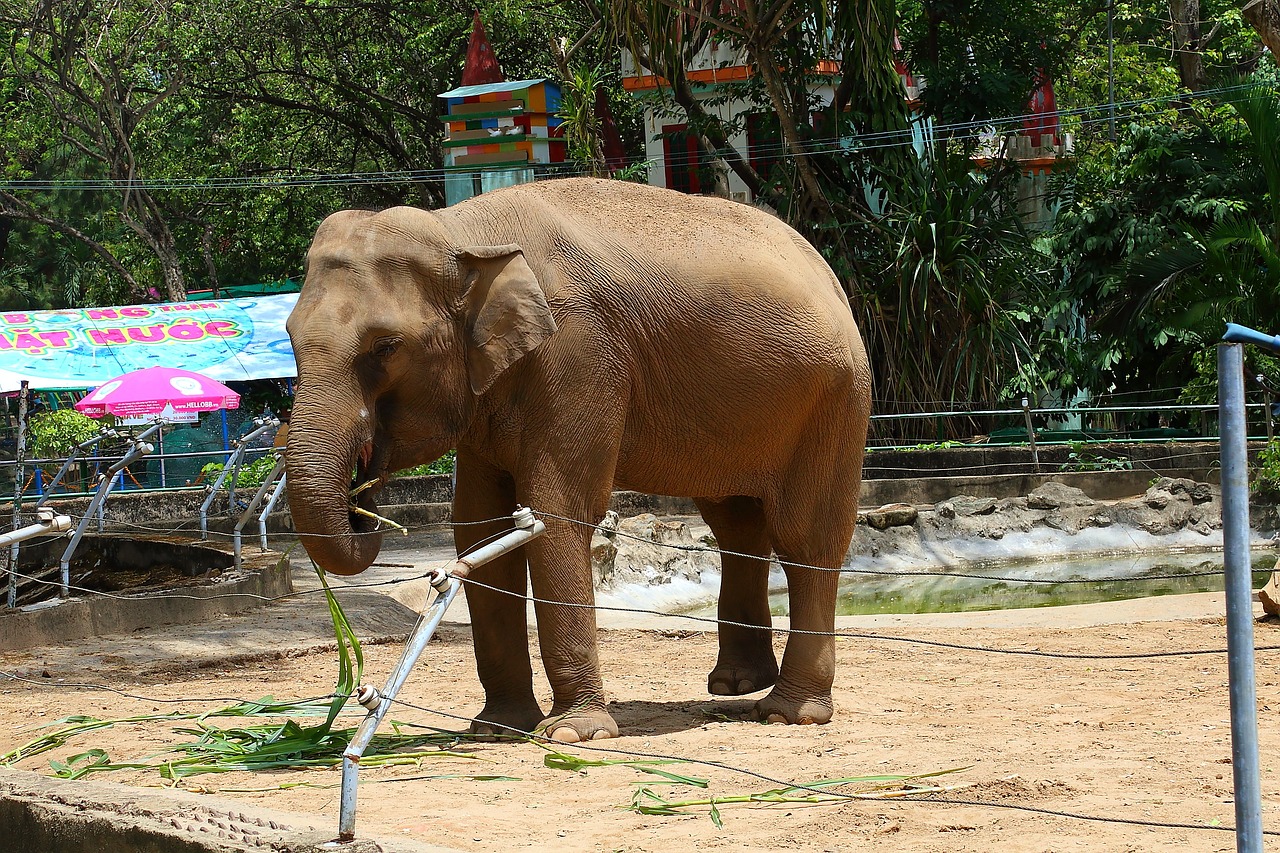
<point x="226" y="339"/>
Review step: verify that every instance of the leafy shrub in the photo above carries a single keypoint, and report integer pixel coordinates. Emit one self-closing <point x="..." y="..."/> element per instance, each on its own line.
<point x="1081" y="459"/>
<point x="444" y="465"/>
<point x="54" y="434"/>
<point x="249" y="477"/>
<point x="1266" y="476"/>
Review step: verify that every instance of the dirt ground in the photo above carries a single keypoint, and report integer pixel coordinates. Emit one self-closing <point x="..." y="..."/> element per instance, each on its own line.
<point x="1120" y="741"/>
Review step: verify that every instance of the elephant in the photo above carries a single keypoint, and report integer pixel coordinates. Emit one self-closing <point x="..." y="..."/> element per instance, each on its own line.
<point x="568" y="338"/>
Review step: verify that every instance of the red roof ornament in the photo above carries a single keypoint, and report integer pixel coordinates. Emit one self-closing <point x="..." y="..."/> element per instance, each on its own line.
<point x="482" y="64"/>
<point x="1042" y="113"/>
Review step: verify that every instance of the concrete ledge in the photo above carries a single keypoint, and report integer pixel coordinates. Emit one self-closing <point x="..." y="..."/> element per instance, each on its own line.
<point x="44" y="815"/>
<point x="262" y="575"/>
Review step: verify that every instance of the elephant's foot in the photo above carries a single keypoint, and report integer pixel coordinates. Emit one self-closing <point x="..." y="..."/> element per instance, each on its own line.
<point x="738" y="678"/>
<point x="504" y="719"/>
<point x="776" y="708"/>
<point x="576" y="726"/>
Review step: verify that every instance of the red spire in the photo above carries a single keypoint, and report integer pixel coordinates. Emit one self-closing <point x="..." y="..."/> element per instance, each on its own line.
<point x="482" y="65"/>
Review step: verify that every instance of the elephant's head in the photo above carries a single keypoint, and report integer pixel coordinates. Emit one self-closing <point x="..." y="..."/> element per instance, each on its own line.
<point x="398" y="331"/>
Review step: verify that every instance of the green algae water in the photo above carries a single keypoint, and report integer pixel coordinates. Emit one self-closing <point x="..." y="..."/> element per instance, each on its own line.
<point x="874" y="594"/>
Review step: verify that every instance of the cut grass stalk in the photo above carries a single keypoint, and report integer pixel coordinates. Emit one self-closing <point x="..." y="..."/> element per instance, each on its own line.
<point x="879" y="787"/>
<point x="563" y="761"/>
<point x="367" y="514"/>
<point x="271" y="746"/>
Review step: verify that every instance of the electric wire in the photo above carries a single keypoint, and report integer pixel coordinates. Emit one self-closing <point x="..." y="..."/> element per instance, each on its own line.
<point x="864" y="142"/>
<point x="929" y="798"/>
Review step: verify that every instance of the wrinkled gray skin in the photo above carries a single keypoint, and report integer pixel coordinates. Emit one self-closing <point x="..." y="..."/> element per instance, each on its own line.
<point x="569" y="338"/>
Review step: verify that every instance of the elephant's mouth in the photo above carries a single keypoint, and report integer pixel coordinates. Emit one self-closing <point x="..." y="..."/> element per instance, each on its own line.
<point x="366" y="484"/>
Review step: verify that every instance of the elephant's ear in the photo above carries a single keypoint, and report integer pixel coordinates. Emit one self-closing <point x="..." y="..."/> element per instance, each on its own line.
<point x="506" y="311"/>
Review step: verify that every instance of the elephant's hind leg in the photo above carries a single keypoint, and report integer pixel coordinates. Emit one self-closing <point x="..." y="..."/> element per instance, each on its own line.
<point x="811" y="527"/>
<point x="746" y="662"/>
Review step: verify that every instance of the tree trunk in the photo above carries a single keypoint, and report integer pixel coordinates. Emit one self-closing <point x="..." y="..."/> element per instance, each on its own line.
<point x="1264" y="16"/>
<point x="1185" y="15"/>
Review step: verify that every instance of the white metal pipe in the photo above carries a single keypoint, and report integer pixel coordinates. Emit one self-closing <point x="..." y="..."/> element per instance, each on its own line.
<point x="447" y="583"/>
<point x="230" y="467"/>
<point x="140" y="448"/>
<point x="19" y="486"/>
<point x="270" y="506"/>
<point x="49" y="522"/>
<point x="253" y="505"/>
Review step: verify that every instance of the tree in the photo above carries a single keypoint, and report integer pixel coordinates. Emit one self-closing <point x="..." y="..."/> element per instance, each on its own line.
<point x="1175" y="235"/>
<point x="102" y="71"/>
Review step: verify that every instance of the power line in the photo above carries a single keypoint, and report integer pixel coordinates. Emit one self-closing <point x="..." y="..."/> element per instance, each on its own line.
<point x="971" y="130"/>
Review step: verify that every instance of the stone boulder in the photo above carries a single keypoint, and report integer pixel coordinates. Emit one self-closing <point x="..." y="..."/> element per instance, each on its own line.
<point x="647" y="551"/>
<point x="891" y="515"/>
<point x="1058" y="496"/>
<point x="1170" y="505"/>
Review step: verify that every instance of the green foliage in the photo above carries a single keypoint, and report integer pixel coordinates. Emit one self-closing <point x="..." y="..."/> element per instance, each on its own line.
<point x="444" y="465"/>
<point x="1266" y="475"/>
<point x="54" y="434"/>
<point x="982" y="60"/>
<point x="964" y="305"/>
<point x="1080" y="458"/>
<point x="250" y="476"/>
<point x="1174" y="235"/>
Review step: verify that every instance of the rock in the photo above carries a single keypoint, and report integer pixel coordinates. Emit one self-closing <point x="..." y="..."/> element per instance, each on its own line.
<point x="1170" y="505"/>
<point x="966" y="505"/>
<point x="1070" y="519"/>
<point x="1056" y="495"/>
<point x="892" y="515"/>
<point x="1269" y="595"/>
<point x="648" y="551"/>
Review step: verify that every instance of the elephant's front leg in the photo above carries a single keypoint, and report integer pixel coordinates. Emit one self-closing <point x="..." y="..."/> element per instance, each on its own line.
<point x="560" y="566"/>
<point x="498" y="622"/>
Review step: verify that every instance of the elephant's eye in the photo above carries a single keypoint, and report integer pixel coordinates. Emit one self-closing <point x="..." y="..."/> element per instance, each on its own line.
<point x="384" y="347"/>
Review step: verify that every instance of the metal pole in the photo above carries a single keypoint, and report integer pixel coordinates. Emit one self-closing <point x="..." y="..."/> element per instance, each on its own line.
<point x="1239" y="588"/>
<point x="140" y="448"/>
<point x="19" y="482"/>
<point x="160" y="447"/>
<point x="253" y="505"/>
<point x="1031" y="433"/>
<point x="270" y="505"/>
<point x="446" y="584"/>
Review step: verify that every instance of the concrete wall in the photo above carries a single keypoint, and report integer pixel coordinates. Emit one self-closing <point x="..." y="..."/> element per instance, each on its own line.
<point x="889" y="476"/>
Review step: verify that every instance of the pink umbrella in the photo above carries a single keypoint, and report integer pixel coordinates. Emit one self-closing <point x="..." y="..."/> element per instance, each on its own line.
<point x="151" y="390"/>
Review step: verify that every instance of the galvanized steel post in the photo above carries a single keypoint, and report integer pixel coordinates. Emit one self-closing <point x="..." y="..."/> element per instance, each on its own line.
<point x="19" y="486"/>
<point x="1239" y="588"/>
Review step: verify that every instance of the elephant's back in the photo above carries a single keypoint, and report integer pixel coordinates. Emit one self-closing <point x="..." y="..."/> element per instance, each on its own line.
<point x="602" y="239"/>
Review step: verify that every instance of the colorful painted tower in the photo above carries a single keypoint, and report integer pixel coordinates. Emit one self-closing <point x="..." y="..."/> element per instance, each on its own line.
<point x="497" y="132"/>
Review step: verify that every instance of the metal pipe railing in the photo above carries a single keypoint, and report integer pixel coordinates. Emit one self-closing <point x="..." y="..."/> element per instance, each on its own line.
<point x="253" y="505"/>
<point x="47" y="521"/>
<point x="269" y="507"/>
<point x="139" y="449"/>
<point x="232" y="468"/>
<point x="77" y="451"/>
<point x="446" y="583"/>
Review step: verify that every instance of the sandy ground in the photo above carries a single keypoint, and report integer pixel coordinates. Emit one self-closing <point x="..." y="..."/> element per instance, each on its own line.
<point x="1121" y="741"/>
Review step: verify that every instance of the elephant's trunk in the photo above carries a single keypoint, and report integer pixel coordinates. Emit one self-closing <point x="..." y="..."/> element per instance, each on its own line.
<point x="320" y="456"/>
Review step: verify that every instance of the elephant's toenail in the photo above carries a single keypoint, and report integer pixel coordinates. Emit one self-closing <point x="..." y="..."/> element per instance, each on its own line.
<point x="745" y="686"/>
<point x="776" y="718"/>
<point x="719" y="688"/>
<point x="805" y="721"/>
<point x="600" y="735"/>
<point x="564" y="734"/>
